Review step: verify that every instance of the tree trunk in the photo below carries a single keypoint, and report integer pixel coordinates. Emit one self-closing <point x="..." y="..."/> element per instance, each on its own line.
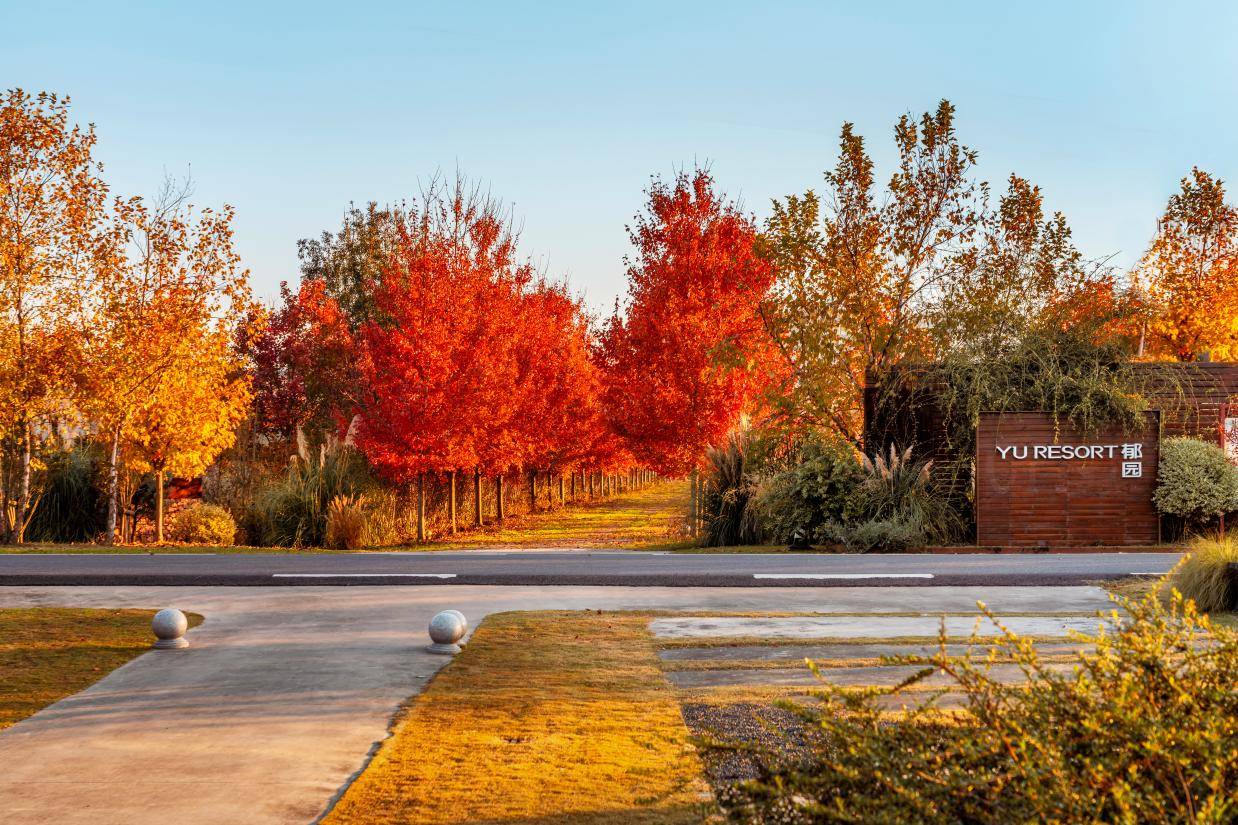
<point x="23" y="487"/>
<point x="451" y="502"/>
<point x="159" y="506"/>
<point x="590" y="490"/>
<point x="477" y="519"/>
<point x="113" y="471"/>
<point x="573" y="490"/>
<point x="532" y="491"/>
<point x="498" y="497"/>
<point x="692" y="506"/>
<point x="561" y="502"/>
<point x="421" y="507"/>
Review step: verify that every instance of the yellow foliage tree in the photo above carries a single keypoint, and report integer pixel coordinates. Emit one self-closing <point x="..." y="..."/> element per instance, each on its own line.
<point x="52" y="206"/>
<point x="169" y="300"/>
<point x="182" y="426"/>
<point x="1188" y="279"/>
<point x="868" y="280"/>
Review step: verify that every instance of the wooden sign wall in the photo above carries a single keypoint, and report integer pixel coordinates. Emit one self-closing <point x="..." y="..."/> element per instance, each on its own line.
<point x="1041" y="485"/>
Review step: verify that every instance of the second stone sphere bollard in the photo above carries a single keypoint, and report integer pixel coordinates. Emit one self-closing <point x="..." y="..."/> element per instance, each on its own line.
<point x="170" y="626"/>
<point x="446" y="630"/>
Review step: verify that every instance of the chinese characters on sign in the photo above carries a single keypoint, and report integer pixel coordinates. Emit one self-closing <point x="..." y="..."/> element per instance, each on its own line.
<point x="1130" y="454"/>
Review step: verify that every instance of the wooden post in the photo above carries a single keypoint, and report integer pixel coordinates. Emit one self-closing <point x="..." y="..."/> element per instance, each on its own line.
<point x="451" y="501"/>
<point x="498" y="497"/>
<point x="159" y="506"/>
<point x="477" y="519"/>
<point x="421" y="507"/>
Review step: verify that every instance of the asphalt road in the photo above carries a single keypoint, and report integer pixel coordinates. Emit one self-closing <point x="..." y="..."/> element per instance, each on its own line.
<point x="628" y="569"/>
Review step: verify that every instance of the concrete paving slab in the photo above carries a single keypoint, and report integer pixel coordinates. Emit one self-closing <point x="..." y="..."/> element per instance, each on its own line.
<point x="859" y="627"/>
<point x="284" y="691"/>
<point x="826" y="652"/>
<point x="878" y="676"/>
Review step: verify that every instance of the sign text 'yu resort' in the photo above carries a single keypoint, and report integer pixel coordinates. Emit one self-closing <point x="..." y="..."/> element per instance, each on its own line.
<point x="1131" y="455"/>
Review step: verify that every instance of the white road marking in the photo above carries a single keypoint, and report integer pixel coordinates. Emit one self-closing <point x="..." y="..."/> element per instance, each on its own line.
<point x="842" y="575"/>
<point x="362" y="575"/>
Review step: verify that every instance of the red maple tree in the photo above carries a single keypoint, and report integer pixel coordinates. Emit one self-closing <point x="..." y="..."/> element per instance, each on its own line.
<point x="436" y="360"/>
<point x="685" y="360"/>
<point x="302" y="359"/>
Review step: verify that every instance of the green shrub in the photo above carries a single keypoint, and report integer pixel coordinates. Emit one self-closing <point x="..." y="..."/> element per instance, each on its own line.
<point x="203" y="524"/>
<point x="811" y="493"/>
<point x="1195" y="480"/>
<point x="71" y="507"/>
<point x="1141" y="730"/>
<point x="890" y="535"/>
<point x="1205" y="577"/>
<point x="731" y="517"/>
<point x="292" y="512"/>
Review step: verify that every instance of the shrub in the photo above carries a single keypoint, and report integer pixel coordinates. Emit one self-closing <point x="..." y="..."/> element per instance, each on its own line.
<point x="812" y="492"/>
<point x="203" y="524"/>
<point x="1140" y="730"/>
<point x="895" y="506"/>
<point x="1195" y="480"/>
<point x="888" y="535"/>
<point x="1204" y="576"/>
<point x="731" y="517"/>
<point x="292" y="512"/>
<point x="71" y="507"/>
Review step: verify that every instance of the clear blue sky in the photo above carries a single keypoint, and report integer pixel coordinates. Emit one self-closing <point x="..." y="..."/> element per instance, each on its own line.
<point x="289" y="111"/>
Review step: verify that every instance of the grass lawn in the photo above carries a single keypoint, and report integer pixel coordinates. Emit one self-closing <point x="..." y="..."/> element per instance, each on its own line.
<point x="49" y="653"/>
<point x="544" y="719"/>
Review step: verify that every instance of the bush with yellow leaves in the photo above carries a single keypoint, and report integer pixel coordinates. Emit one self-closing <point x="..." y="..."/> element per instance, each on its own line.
<point x="1144" y="728"/>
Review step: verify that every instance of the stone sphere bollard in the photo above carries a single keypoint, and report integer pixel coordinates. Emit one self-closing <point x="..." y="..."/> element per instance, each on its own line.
<point x="446" y="630"/>
<point x="170" y="626"/>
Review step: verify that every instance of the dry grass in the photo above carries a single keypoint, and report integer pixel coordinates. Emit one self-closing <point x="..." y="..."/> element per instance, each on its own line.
<point x="1200" y="576"/>
<point x="49" y="653"/>
<point x="544" y="719"/>
<point x="1205" y="575"/>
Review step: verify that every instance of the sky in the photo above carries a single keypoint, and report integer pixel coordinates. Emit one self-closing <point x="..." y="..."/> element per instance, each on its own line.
<point x="565" y="110"/>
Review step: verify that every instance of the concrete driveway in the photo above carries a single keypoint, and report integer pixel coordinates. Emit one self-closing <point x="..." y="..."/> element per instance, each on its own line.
<point x="285" y="691"/>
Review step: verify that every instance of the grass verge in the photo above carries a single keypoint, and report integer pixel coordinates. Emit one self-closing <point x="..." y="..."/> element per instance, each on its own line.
<point x="544" y="719"/>
<point x="646" y="519"/>
<point x="48" y="653"/>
